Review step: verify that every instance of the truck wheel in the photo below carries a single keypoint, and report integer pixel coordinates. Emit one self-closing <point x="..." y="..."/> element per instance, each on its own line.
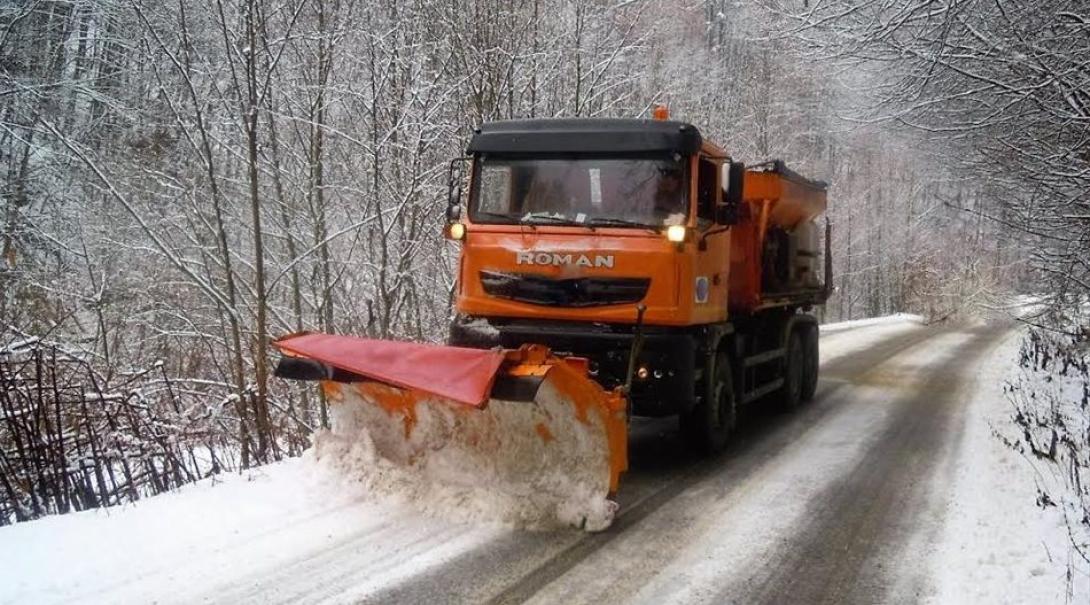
<point x="790" y="394"/>
<point x="708" y="427"/>
<point x="811" y="362"/>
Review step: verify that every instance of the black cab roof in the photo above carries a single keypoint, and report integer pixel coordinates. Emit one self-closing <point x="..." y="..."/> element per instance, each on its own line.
<point x="586" y="135"/>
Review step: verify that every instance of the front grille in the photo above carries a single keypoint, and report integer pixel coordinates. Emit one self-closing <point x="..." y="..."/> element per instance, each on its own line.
<point x="575" y="292"/>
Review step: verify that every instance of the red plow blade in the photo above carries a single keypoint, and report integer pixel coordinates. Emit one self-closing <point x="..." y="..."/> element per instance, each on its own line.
<point x="455" y="373"/>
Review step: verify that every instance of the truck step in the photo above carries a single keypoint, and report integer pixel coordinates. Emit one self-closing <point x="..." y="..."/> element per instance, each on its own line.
<point x="762" y="390"/>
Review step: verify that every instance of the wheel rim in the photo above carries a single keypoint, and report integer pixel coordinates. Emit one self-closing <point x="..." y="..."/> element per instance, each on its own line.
<point x="722" y="407"/>
<point x="724" y="402"/>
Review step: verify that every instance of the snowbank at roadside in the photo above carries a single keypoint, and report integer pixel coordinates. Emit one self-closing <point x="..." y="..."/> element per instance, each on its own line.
<point x="896" y="318"/>
<point x="844" y="338"/>
<point x="997" y="545"/>
<point x="217" y="535"/>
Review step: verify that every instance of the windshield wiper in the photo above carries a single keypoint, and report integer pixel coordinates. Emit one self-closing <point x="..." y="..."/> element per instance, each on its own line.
<point x="605" y="221"/>
<point x="496" y="215"/>
<point x="534" y="218"/>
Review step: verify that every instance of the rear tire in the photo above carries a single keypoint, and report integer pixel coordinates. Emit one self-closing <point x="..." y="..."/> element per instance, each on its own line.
<point x="811" y="362"/>
<point x="790" y="394"/>
<point x="708" y="427"/>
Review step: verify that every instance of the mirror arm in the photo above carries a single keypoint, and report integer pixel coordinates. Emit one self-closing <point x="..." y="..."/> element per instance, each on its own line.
<point x="702" y="245"/>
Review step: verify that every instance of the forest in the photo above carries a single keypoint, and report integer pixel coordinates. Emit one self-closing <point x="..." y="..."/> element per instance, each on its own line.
<point x="185" y="180"/>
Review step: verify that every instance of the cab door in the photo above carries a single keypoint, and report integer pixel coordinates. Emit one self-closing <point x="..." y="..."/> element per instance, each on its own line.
<point x="711" y="267"/>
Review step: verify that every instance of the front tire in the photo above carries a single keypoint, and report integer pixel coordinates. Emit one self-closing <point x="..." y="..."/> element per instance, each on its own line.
<point x="811" y="362"/>
<point x="708" y="427"/>
<point x="790" y="394"/>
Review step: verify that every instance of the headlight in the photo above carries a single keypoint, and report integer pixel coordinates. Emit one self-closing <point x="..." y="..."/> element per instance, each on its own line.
<point x="676" y="233"/>
<point x="456" y="231"/>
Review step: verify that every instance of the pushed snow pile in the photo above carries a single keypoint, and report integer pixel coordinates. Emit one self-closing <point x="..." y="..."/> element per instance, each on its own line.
<point x="533" y="465"/>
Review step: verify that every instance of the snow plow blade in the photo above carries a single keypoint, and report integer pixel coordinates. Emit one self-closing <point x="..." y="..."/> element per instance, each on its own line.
<point x="522" y="421"/>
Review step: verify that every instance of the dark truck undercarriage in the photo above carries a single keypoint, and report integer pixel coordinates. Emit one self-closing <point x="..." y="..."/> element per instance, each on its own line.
<point x="673" y="359"/>
<point x="670" y="356"/>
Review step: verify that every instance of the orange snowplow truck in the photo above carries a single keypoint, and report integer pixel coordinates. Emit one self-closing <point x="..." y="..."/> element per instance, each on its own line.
<point x="608" y="268"/>
<point x="640" y="246"/>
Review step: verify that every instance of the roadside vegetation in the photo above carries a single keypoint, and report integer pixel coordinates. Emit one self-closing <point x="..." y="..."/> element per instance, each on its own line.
<point x="1050" y="397"/>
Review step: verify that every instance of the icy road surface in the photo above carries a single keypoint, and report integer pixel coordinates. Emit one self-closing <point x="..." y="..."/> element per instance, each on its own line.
<point x="861" y="496"/>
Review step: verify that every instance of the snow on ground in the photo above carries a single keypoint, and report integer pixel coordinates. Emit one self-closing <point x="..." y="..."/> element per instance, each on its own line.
<point x="842" y="338"/>
<point x="996" y="545"/>
<point x="181" y="546"/>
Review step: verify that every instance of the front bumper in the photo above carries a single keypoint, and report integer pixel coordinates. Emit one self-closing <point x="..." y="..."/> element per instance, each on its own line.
<point x="669" y="354"/>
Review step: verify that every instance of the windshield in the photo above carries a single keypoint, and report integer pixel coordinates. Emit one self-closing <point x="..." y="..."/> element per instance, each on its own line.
<point x="621" y="192"/>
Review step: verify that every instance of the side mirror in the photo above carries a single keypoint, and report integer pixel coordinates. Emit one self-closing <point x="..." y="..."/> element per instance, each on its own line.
<point x="726" y="214"/>
<point x="736" y="178"/>
<point x="454" y="189"/>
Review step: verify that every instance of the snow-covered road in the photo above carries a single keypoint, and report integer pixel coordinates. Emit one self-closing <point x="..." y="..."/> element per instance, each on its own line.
<point x="854" y="498"/>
